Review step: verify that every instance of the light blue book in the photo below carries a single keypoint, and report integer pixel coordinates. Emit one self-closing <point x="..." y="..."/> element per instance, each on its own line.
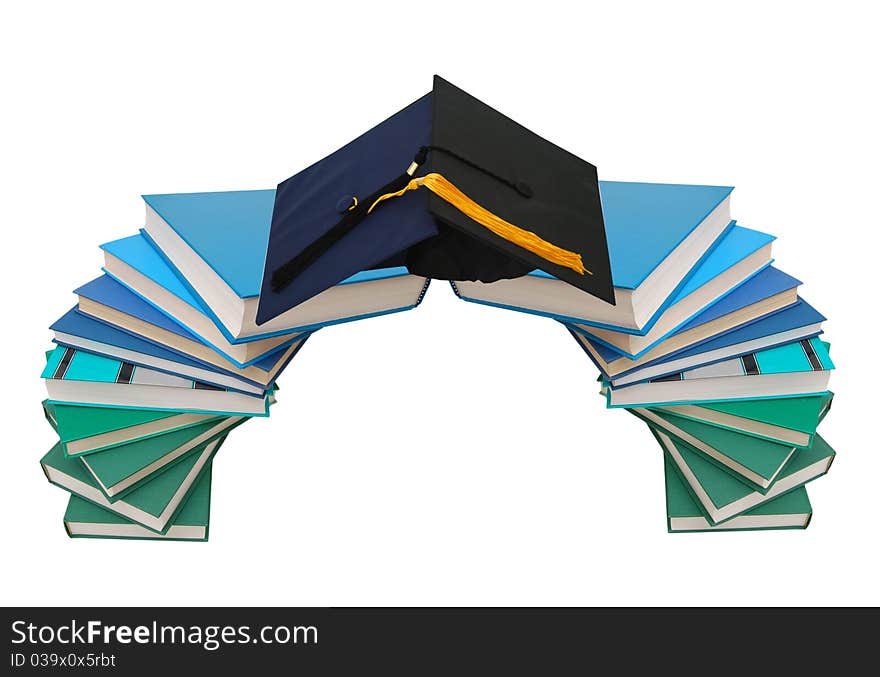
<point x="657" y="235"/>
<point x="77" y="377"/>
<point x="794" y="369"/>
<point x="740" y="255"/>
<point x="143" y="268"/>
<point x="737" y="256"/>
<point x="216" y="242"/>
<point x="133" y="262"/>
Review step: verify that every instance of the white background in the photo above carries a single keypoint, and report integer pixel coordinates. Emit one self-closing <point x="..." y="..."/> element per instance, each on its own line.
<point x="455" y="454"/>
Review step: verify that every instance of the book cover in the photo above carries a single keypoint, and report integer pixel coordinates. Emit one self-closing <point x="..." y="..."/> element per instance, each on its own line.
<point x="754" y="461"/>
<point x="645" y="222"/>
<point x="84" y="430"/>
<point x="791" y="420"/>
<point x="760" y="375"/>
<point x="83" y="519"/>
<point x="80" y="331"/>
<point x="788" y="511"/>
<point x="141" y="266"/>
<point x="122" y="470"/>
<point x="636" y="312"/>
<point x="154" y="505"/>
<point x="720" y="495"/>
<point x="740" y="255"/>
<point x="78" y="377"/>
<point x="793" y="324"/>
<point x="111" y="301"/>
<point x="725" y="316"/>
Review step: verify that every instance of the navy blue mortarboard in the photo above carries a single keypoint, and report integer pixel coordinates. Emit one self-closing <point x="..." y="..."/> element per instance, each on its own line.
<point x="500" y="201"/>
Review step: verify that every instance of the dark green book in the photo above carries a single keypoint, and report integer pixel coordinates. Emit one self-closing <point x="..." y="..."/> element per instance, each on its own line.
<point x="87" y="520"/>
<point x="721" y="495"/>
<point x="755" y="461"/>
<point x="788" y="511"/>
<point x="787" y="420"/>
<point x="153" y="505"/>
<point x="85" y="430"/>
<point x="120" y="470"/>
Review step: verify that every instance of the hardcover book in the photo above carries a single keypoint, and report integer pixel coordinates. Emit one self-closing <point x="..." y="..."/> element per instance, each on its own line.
<point x="801" y="368"/>
<point x="120" y="471"/>
<point x="137" y="264"/>
<point x="720" y="495"/>
<point x="793" y="324"/>
<point x="788" y="420"/>
<point x="650" y="229"/>
<point x="83" y="519"/>
<point x="110" y="301"/>
<point x="154" y="505"/>
<point x="76" y="377"/>
<point x="683" y="514"/>
<point x="754" y="461"/>
<point x="768" y="294"/>
<point x="85" y="430"/>
<point x="740" y="255"/>
<point x="77" y="330"/>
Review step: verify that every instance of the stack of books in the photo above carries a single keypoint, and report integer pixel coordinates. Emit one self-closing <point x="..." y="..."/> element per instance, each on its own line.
<point x="184" y="336"/>
<point x="710" y="344"/>
<point x="161" y="358"/>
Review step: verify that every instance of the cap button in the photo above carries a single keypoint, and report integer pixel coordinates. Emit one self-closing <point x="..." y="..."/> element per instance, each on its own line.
<point x="345" y="203"/>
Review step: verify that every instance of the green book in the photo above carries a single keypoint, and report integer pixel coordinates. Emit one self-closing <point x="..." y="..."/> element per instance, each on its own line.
<point x="721" y="495"/>
<point x="85" y="430"/>
<point x="153" y="505"/>
<point x="121" y="470"/>
<point x="83" y="519"/>
<point x="788" y="420"/>
<point x="788" y="511"/>
<point x="755" y="461"/>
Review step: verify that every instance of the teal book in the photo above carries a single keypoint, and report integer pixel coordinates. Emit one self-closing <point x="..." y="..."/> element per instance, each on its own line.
<point x="683" y="514"/>
<point x="754" y="461"/>
<point x="120" y="471"/>
<point x="78" y="377"/>
<point x="153" y="505"/>
<point x="83" y="519"/>
<point x="86" y="430"/>
<point x="720" y="495"/>
<point x="794" y="369"/>
<point x="788" y="420"/>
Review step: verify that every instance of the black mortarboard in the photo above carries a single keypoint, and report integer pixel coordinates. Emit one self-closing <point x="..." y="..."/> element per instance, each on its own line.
<point x="500" y="202"/>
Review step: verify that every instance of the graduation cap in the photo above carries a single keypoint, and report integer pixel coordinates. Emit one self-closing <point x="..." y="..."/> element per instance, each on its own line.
<point x="449" y="187"/>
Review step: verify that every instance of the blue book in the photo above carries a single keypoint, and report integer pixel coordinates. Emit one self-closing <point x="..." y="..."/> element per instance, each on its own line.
<point x="793" y="369"/>
<point x="145" y="268"/>
<point x="109" y="301"/>
<point x="794" y="323"/>
<point x="766" y="292"/>
<point x="656" y="234"/>
<point x="85" y="333"/>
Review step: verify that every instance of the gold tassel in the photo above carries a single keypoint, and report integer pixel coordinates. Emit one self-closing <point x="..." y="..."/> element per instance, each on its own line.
<point x="526" y="239"/>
